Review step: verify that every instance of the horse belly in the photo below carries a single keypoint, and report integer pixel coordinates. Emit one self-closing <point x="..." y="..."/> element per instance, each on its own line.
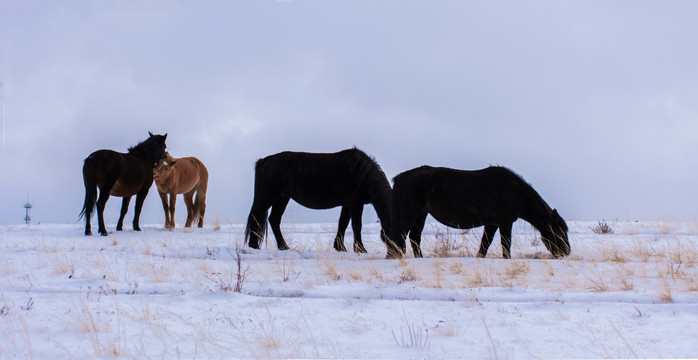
<point x="463" y="219"/>
<point x="187" y="185"/>
<point x="317" y="202"/>
<point x="121" y="190"/>
<point x="319" y="192"/>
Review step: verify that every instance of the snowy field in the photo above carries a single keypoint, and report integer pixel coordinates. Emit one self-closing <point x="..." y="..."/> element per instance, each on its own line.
<point x="172" y="294"/>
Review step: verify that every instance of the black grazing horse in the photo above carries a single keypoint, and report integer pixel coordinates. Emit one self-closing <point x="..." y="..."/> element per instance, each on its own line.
<point x="348" y="178"/>
<point x="122" y="175"/>
<point x="494" y="197"/>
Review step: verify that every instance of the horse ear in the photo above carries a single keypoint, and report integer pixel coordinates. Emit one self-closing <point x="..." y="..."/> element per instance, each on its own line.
<point x="165" y="138"/>
<point x="151" y="134"/>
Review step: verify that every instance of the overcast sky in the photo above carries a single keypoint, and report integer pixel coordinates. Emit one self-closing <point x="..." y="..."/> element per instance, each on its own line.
<point x="595" y="103"/>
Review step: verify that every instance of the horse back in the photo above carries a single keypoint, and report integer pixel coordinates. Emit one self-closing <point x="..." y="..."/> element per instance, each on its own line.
<point x="491" y="189"/>
<point x="124" y="173"/>
<point x="463" y="198"/>
<point x="315" y="180"/>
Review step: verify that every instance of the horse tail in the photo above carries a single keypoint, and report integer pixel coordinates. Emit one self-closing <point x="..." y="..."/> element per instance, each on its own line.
<point x="200" y="200"/>
<point x="257" y="224"/>
<point x="89" y="177"/>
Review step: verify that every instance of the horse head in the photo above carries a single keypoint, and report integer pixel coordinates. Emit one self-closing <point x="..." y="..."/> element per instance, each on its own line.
<point x="555" y="235"/>
<point x="160" y="146"/>
<point x="163" y="165"/>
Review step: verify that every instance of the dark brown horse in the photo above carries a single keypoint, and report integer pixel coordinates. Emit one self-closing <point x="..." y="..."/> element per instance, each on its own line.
<point x="187" y="176"/>
<point x="122" y="175"/>
<point x="494" y="197"/>
<point x="348" y="178"/>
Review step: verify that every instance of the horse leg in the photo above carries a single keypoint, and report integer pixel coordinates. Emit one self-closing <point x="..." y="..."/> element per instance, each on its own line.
<point x="487" y="237"/>
<point x="124" y="208"/>
<point x="200" y="206"/>
<point x="88" y="227"/>
<point x="140" y="199"/>
<point x="101" y="203"/>
<point x="344" y="217"/>
<point x="189" y="201"/>
<point x="165" y="206"/>
<point x="401" y="223"/>
<point x="173" y="201"/>
<point x="505" y="235"/>
<point x="416" y="234"/>
<point x="356" y="214"/>
<point x="200" y="203"/>
<point x="277" y="210"/>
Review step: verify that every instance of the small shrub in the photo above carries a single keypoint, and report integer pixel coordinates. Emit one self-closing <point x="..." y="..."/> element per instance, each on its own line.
<point x="602" y="228"/>
<point x="241" y="274"/>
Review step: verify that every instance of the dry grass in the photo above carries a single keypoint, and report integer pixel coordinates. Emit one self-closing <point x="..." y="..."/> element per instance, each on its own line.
<point x="375" y="273"/>
<point x="355" y="273"/>
<point x="516" y="268"/>
<point x="643" y="251"/>
<point x="155" y="270"/>
<point x="408" y="274"/>
<point x="456" y="267"/>
<point x="331" y="269"/>
<point x="63" y="263"/>
<point x="83" y="320"/>
<point x="613" y="254"/>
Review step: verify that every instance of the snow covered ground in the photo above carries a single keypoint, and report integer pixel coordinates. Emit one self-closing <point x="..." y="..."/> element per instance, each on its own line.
<point x="171" y="294"/>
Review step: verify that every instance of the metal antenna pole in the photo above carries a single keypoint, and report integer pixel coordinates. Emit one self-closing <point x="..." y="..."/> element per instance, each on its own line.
<point x="27" y="207"/>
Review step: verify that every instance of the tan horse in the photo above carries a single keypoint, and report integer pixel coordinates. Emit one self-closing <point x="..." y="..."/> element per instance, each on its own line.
<point x="186" y="176"/>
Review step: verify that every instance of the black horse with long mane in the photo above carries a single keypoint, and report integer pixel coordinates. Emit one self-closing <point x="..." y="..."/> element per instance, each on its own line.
<point x="122" y="175"/>
<point x="494" y="197"/>
<point x="348" y="178"/>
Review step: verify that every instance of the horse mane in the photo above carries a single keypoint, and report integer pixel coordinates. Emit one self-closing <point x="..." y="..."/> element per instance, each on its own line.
<point x="148" y="147"/>
<point x="519" y="177"/>
<point x="369" y="172"/>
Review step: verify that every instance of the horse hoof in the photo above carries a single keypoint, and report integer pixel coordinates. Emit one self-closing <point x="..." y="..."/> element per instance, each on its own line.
<point x="88" y="233"/>
<point x="283" y="247"/>
<point x="103" y="233"/>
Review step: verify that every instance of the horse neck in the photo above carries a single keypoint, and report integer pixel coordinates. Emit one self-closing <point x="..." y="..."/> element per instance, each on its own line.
<point x="381" y="203"/>
<point x="146" y="154"/>
<point x="537" y="211"/>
